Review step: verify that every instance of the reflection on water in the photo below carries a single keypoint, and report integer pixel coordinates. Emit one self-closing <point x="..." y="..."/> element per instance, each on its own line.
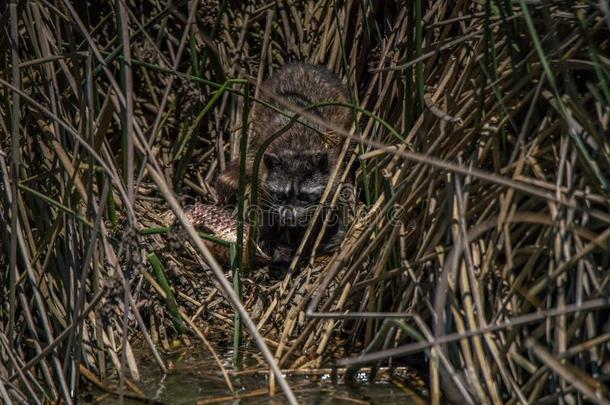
<point x="195" y="378"/>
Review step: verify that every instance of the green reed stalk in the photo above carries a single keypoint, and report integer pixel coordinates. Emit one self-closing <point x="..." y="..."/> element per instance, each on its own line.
<point x="193" y="54"/>
<point x="353" y="100"/>
<point x="15" y="162"/>
<point x="170" y="299"/>
<point x="419" y="67"/>
<point x="127" y="88"/>
<point x="158" y="230"/>
<point x="237" y="258"/>
<point x="184" y="153"/>
<point x="588" y="161"/>
<point x="601" y="71"/>
<point x="409" y="103"/>
<point x="491" y="64"/>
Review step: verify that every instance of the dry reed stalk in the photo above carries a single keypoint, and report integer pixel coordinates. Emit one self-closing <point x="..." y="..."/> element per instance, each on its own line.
<point x="480" y="170"/>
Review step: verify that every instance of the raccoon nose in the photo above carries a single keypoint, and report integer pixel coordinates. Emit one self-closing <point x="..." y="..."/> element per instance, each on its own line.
<point x="288" y="214"/>
<point x="294" y="193"/>
<point x="283" y="198"/>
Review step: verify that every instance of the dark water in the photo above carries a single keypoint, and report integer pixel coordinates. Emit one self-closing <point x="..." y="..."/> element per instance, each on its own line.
<point x="195" y="378"/>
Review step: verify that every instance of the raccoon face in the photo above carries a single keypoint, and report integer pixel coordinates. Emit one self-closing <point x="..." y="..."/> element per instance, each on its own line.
<point x="294" y="184"/>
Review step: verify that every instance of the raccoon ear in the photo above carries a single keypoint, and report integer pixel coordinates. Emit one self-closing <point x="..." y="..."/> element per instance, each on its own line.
<point x="320" y="160"/>
<point x="271" y="160"/>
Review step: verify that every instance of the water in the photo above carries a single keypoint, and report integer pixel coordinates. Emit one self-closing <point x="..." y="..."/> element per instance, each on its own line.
<point x="195" y="378"/>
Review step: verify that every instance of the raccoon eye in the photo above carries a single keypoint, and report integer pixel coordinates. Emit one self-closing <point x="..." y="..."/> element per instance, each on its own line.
<point x="271" y="160"/>
<point x="282" y="197"/>
<point x="317" y="161"/>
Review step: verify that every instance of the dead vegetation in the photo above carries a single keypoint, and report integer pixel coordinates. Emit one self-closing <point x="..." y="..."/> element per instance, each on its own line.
<point x="479" y="230"/>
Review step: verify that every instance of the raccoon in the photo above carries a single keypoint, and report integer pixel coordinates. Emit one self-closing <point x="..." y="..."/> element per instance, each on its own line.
<point x="297" y="165"/>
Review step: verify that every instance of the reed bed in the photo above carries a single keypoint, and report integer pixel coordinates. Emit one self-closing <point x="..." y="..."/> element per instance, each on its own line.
<point x="478" y="247"/>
